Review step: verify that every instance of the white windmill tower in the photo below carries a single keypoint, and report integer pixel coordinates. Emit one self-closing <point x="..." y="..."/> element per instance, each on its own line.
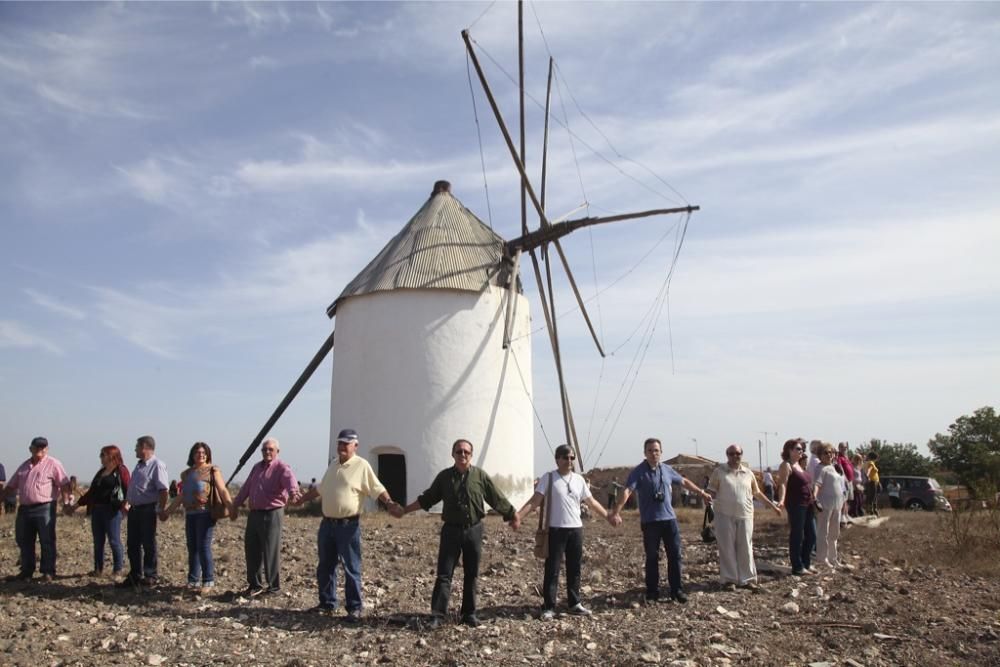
<point x="420" y="359"/>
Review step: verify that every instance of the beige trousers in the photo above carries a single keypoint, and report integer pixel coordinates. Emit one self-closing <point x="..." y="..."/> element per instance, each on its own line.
<point x="827" y="534"/>
<point x="734" y="537"/>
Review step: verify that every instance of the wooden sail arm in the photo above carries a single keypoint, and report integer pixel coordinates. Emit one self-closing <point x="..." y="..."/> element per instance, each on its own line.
<point x="558" y="230"/>
<point x="285" y="402"/>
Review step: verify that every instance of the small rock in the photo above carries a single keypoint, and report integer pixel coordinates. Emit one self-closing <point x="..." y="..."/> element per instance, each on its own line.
<point x="790" y="607"/>
<point x="650" y="657"/>
<point x="794" y="593"/>
<point x="591" y="646"/>
<point x="154" y="659"/>
<point x="818" y="591"/>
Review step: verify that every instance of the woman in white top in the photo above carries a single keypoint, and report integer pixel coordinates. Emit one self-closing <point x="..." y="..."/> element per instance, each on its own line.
<point x="829" y="492"/>
<point x="563" y="490"/>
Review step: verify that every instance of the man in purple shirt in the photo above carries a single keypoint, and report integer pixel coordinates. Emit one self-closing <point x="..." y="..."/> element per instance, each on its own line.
<point x="269" y="487"/>
<point x="38" y="481"/>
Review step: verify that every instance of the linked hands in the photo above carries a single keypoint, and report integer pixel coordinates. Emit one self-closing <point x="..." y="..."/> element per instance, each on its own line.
<point x="515" y="523"/>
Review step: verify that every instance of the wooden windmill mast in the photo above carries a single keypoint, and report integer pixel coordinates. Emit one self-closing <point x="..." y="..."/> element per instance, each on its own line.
<point x="547" y="232"/>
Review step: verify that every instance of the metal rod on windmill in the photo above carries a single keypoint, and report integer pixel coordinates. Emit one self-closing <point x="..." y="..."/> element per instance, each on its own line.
<point x="311" y="367"/>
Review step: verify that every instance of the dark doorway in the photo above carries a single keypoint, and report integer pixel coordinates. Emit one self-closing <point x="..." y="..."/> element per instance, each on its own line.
<point x="392" y="473"/>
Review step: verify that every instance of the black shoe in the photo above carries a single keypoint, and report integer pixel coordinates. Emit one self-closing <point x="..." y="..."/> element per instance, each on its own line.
<point x="680" y="596"/>
<point x="252" y="592"/>
<point x="127" y="582"/>
<point x="322" y="609"/>
<point x="353" y="616"/>
<point x="471" y="621"/>
<point x="435" y="622"/>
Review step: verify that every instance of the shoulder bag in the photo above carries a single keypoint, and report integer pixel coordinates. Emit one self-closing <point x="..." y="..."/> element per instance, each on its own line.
<point x="216" y="505"/>
<point x="707" y="529"/>
<point x="542" y="533"/>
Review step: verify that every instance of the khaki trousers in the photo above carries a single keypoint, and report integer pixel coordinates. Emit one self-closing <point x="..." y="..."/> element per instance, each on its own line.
<point x="734" y="537"/>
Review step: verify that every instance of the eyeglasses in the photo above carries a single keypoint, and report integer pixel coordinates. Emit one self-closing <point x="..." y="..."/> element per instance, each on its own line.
<point x="734" y="453"/>
<point x="267" y="449"/>
<point x="462" y="452"/>
<point x="567" y="456"/>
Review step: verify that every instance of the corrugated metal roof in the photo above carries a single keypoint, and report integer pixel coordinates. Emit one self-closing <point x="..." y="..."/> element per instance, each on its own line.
<point x="444" y="246"/>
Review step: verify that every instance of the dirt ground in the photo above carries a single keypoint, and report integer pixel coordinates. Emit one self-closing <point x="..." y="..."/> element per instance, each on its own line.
<point x="906" y="602"/>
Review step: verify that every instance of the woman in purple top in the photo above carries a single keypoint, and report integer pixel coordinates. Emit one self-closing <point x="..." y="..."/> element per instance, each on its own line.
<point x="796" y="497"/>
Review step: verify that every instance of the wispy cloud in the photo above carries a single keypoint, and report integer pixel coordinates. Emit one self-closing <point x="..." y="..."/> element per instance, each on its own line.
<point x="14" y="334"/>
<point x="52" y="305"/>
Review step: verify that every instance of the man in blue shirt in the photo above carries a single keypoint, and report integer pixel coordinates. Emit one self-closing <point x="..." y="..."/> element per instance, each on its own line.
<point x="146" y="497"/>
<point x="652" y="480"/>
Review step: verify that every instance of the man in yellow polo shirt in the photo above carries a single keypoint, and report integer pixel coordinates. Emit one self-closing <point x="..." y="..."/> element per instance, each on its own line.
<point x="347" y="482"/>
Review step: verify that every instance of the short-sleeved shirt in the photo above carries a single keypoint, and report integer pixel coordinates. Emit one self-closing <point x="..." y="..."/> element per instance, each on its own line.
<point x="39" y="482"/>
<point x="871" y="472"/>
<point x="149" y="478"/>
<point x="831" y="486"/>
<point x="345" y="487"/>
<point x="564" y="498"/>
<point x="734" y="491"/>
<point x="463" y="496"/>
<point x="647" y="483"/>
<point x="269" y="486"/>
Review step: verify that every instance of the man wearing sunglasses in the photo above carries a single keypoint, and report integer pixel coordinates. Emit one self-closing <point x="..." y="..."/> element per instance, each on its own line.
<point x="734" y="486"/>
<point x="652" y="481"/>
<point x="564" y="490"/>
<point x="462" y="489"/>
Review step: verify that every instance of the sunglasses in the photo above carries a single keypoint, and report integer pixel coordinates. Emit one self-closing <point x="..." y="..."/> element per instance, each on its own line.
<point x="462" y="452"/>
<point x="567" y="456"/>
<point x="734" y="453"/>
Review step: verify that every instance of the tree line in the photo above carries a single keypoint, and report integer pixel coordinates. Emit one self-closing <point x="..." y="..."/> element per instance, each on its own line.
<point x="969" y="453"/>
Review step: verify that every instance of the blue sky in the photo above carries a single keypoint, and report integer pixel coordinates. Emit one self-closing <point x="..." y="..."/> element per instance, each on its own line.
<point x="186" y="187"/>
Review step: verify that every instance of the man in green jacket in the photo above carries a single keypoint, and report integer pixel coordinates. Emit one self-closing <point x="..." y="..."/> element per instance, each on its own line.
<point x="462" y="489"/>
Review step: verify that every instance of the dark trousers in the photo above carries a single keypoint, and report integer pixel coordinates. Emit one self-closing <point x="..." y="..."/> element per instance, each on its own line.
<point x="141" y="541"/>
<point x="769" y="492"/>
<point x="653" y="534"/>
<point x="339" y="543"/>
<point x="262" y="545"/>
<point x="871" y="497"/>
<point x="801" y="537"/>
<point x="106" y="526"/>
<point x="36" y="523"/>
<point x="858" y="507"/>
<point x="567" y="541"/>
<point x="199" y="527"/>
<point x="457" y="540"/>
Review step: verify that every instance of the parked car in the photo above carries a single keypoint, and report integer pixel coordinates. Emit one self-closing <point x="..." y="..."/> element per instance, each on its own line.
<point x="915" y="493"/>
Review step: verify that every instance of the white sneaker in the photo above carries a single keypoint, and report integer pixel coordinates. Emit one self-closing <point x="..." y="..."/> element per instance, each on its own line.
<point x="578" y="610"/>
<point x="547" y="615"/>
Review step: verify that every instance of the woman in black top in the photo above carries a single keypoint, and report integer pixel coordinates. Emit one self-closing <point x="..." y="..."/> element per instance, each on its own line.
<point x="104" y="500"/>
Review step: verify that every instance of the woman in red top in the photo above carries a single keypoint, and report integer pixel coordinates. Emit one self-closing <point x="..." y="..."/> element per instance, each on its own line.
<point x="796" y="497"/>
<point x="104" y="500"/>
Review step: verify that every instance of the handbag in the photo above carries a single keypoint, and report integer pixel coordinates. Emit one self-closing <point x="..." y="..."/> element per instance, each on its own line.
<point x="216" y="505"/>
<point x="707" y="529"/>
<point x="542" y="533"/>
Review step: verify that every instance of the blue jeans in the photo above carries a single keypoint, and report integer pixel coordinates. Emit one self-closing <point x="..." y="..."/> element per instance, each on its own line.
<point x="801" y="537"/>
<point x="339" y="543"/>
<point x="31" y="523"/>
<point x="653" y="533"/>
<point x="141" y="541"/>
<point x="199" y="528"/>
<point x="106" y="524"/>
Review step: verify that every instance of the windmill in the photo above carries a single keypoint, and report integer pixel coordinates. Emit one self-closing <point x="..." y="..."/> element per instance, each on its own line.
<point x="434" y="337"/>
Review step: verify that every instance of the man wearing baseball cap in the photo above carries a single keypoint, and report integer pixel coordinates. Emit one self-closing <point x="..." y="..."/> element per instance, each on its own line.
<point x="347" y="482"/>
<point x="37" y="482"/>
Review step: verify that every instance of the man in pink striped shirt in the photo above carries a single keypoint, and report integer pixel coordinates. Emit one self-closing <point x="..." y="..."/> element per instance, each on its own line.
<point x="37" y="483"/>
<point x="270" y="486"/>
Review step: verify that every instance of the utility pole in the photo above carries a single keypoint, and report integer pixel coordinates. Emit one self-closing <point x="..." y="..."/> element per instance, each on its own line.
<point x="695" y="441"/>
<point x="765" y="434"/>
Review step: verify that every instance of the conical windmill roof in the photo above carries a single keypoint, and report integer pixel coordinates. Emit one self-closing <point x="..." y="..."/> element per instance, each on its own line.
<point x="443" y="246"/>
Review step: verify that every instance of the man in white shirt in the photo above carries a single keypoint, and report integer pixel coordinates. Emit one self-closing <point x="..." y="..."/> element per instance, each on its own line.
<point x="564" y="490"/>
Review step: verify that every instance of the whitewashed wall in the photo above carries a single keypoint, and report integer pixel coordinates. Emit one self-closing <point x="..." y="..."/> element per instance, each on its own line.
<point x="414" y="370"/>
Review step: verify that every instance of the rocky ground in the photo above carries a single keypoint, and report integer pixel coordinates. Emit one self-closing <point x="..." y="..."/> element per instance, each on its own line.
<point x="907" y="601"/>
